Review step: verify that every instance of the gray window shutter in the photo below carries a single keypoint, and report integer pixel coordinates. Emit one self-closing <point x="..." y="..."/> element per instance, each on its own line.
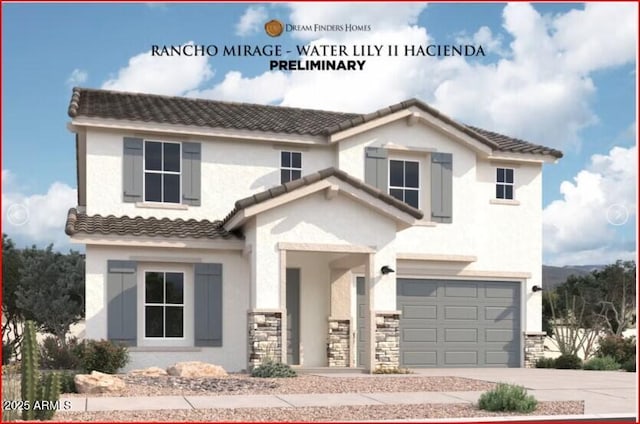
<point x="122" y="302"/>
<point x="132" y="170"/>
<point x="208" y="304"/>
<point x="441" y="187"/>
<point x="376" y="168"/>
<point x="191" y="157"/>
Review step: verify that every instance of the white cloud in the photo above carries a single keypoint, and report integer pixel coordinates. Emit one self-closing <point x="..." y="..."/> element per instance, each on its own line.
<point x="77" y="77"/>
<point x="600" y="36"/>
<point x="251" y="21"/>
<point x="170" y="75"/>
<point x="266" y="88"/>
<point x="380" y="16"/>
<point x="37" y="218"/>
<point x="538" y="75"/>
<point x="540" y="89"/>
<point x="484" y="37"/>
<point x="577" y="228"/>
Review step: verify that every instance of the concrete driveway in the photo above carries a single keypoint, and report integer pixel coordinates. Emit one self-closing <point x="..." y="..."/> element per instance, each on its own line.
<point x="603" y="392"/>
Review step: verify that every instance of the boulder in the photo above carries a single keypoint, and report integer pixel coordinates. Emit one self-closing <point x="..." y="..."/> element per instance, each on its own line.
<point x="196" y="369"/>
<point x="149" y="372"/>
<point x="98" y="382"/>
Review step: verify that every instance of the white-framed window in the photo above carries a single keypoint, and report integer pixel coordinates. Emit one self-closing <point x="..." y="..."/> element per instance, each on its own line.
<point x="290" y="166"/>
<point x="504" y="183"/>
<point x="404" y="181"/>
<point x="164" y="305"/>
<point x="162" y="169"/>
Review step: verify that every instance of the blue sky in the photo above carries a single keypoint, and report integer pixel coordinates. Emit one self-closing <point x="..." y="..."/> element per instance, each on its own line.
<point x="562" y="75"/>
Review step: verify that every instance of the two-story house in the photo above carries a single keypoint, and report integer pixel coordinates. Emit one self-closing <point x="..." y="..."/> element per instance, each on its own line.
<point x="231" y="233"/>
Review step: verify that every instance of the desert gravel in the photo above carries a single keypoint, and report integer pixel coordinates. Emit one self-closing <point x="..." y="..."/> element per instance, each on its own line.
<point x="341" y="413"/>
<point x="242" y="384"/>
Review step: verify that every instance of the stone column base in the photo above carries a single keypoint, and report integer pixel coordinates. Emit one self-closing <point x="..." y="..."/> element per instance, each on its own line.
<point x="387" y="340"/>
<point x="338" y="350"/>
<point x="533" y="347"/>
<point x="265" y="337"/>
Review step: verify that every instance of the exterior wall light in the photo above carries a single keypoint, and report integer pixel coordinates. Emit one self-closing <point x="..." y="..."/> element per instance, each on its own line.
<point x="536" y="289"/>
<point x="386" y="270"/>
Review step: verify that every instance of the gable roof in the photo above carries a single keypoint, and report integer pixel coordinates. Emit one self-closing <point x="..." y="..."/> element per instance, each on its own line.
<point x="307" y="180"/>
<point x="138" y="226"/>
<point x="93" y="103"/>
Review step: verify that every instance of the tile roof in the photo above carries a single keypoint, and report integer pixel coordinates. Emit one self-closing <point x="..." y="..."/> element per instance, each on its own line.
<point x="245" y="116"/>
<point x="202" y="113"/>
<point x="317" y="176"/>
<point x="138" y="226"/>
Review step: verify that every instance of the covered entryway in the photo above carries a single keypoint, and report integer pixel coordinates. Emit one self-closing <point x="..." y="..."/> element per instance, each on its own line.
<point x="459" y="323"/>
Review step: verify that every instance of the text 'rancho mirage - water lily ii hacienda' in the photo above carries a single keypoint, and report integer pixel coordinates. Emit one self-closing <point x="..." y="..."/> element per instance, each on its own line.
<point x="234" y="233"/>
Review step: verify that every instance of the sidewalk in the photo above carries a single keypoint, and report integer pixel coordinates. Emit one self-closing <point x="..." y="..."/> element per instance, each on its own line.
<point x="620" y="403"/>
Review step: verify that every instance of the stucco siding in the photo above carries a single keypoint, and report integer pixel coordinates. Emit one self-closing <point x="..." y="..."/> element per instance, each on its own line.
<point x="230" y="170"/>
<point x="235" y="286"/>
<point x="315" y="219"/>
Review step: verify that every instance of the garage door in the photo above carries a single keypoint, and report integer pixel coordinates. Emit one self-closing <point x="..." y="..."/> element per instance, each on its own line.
<point x="454" y="323"/>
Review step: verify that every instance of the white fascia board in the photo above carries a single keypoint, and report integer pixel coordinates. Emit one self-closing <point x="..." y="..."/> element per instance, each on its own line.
<point x="160" y="242"/>
<point x="529" y="158"/>
<point x="349" y="132"/>
<point x="152" y="127"/>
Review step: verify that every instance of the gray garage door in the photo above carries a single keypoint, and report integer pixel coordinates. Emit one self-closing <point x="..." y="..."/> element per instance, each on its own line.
<point x="453" y="323"/>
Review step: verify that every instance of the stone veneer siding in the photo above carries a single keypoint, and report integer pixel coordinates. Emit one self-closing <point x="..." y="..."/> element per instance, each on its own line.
<point x="533" y="348"/>
<point x="265" y="337"/>
<point x="387" y="340"/>
<point x="338" y="349"/>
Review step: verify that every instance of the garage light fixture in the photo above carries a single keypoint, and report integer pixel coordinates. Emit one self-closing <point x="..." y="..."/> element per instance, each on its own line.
<point x="536" y="288"/>
<point x="386" y="270"/>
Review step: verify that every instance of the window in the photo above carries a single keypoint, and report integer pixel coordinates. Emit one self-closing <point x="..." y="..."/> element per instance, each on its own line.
<point x="161" y="172"/>
<point x="404" y="181"/>
<point x="290" y="166"/>
<point x="504" y="183"/>
<point x="164" y="304"/>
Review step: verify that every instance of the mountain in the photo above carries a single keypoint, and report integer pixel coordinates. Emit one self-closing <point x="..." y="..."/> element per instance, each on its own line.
<point x="552" y="276"/>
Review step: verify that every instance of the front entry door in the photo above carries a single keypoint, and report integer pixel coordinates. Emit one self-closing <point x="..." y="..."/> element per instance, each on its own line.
<point x="293" y="316"/>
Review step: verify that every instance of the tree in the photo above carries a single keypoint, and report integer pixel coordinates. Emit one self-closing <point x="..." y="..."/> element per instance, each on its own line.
<point x="618" y="301"/>
<point x="51" y="289"/>
<point x="11" y="265"/>
<point x="582" y="308"/>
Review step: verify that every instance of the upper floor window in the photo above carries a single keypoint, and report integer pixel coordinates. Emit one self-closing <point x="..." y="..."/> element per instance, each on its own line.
<point x="162" y="172"/>
<point x="404" y="181"/>
<point x="504" y="183"/>
<point x="290" y="166"/>
<point x="164" y="304"/>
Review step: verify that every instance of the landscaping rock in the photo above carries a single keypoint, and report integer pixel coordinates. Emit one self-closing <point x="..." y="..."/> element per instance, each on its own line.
<point x="196" y="369"/>
<point x="149" y="372"/>
<point x="98" y="382"/>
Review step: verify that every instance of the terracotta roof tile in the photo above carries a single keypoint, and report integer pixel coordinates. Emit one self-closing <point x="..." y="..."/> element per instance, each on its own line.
<point x="138" y="226"/>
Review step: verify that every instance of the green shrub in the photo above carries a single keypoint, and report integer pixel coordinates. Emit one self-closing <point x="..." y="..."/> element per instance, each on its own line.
<point x="56" y="356"/>
<point x="605" y="363"/>
<point x="507" y="397"/>
<point x="271" y="369"/>
<point x="67" y="383"/>
<point x="545" y="363"/>
<point x="630" y="365"/>
<point x="396" y="370"/>
<point x="102" y="355"/>
<point x="568" y="362"/>
<point x="618" y="348"/>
